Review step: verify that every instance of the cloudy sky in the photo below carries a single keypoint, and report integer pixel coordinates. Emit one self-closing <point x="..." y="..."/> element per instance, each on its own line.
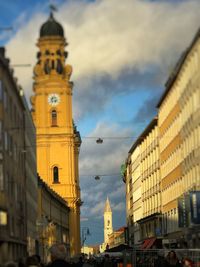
<point x="122" y="53"/>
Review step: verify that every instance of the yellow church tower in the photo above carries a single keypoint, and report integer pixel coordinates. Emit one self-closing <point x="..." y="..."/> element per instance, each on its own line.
<point x="58" y="141"/>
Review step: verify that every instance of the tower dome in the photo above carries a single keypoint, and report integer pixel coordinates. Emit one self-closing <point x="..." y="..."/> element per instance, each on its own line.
<point x="51" y="28"/>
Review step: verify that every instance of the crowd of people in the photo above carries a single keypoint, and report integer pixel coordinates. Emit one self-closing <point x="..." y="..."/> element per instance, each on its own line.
<point x="171" y="260"/>
<point x="58" y="259"/>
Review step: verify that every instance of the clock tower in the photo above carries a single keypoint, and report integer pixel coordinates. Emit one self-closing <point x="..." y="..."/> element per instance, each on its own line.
<point x="58" y="140"/>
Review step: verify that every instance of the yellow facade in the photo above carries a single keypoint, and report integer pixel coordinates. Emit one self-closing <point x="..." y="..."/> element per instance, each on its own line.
<point x="150" y="172"/>
<point x="133" y="193"/>
<point x="58" y="141"/>
<point x="151" y="222"/>
<point x="117" y="238"/>
<point x="87" y="250"/>
<point x="143" y="190"/>
<point x="174" y="147"/>
<point x="190" y="115"/>
<point x="170" y="157"/>
<point x="179" y="126"/>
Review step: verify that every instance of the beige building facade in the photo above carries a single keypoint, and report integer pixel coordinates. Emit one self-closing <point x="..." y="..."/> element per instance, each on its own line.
<point x="169" y="156"/>
<point x="117" y="237"/>
<point x="179" y="125"/>
<point x="190" y="133"/>
<point x="89" y="251"/>
<point x="134" y="193"/>
<point x="169" y="121"/>
<point x="151" y="222"/>
<point x="143" y="190"/>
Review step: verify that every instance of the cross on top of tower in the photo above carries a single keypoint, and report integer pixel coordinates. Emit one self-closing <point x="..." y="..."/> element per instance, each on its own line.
<point x="52" y="8"/>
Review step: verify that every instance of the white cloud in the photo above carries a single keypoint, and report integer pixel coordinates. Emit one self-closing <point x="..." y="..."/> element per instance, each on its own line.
<point x="94" y="196"/>
<point x="97" y="209"/>
<point x="119" y="192"/>
<point x="84" y="219"/>
<point x="111" y="35"/>
<point x="107" y="37"/>
<point x="22" y="50"/>
<point x="119" y="207"/>
<point x="103" y="159"/>
<point x="107" y="157"/>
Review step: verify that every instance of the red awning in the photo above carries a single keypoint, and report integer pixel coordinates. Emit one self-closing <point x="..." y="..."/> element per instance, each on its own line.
<point x="148" y="243"/>
<point x="151" y="242"/>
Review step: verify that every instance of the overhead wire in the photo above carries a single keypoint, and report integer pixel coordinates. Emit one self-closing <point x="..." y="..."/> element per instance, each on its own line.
<point x="86" y="137"/>
<point x="111" y="174"/>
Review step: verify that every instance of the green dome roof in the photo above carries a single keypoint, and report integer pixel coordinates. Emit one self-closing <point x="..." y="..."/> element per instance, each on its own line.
<point x="51" y="28"/>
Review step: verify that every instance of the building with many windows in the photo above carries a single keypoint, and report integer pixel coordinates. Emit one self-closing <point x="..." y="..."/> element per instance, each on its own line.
<point x="151" y="221"/>
<point x="12" y="166"/>
<point x="52" y="221"/>
<point x="179" y="126"/>
<point x="143" y="190"/>
<point x="134" y="193"/>
<point x="169" y="122"/>
<point x="169" y="159"/>
<point x="31" y="178"/>
<point x="117" y="238"/>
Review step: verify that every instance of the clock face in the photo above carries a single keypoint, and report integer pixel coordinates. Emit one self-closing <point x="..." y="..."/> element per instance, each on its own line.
<point x="53" y="99"/>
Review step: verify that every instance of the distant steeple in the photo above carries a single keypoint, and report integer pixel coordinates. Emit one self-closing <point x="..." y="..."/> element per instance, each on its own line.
<point x="107" y="206"/>
<point x="108" y="229"/>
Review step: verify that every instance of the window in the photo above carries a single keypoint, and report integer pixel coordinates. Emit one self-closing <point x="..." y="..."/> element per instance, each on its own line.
<point x="54" y="117"/>
<point x="1" y="141"/>
<point x="5" y="100"/>
<point x="52" y="64"/>
<point x="55" y="175"/>
<point x="6" y="140"/>
<point x="1" y="178"/>
<point x="15" y="151"/>
<point x="10" y="145"/>
<point x="12" y="225"/>
<point x="1" y="90"/>
<point x="11" y="108"/>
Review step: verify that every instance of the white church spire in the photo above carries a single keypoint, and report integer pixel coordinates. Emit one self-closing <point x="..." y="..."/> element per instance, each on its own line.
<point x="108" y="229"/>
<point x="107" y="206"/>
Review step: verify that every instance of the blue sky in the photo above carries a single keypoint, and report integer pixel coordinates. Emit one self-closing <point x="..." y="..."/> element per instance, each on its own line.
<point x="122" y="52"/>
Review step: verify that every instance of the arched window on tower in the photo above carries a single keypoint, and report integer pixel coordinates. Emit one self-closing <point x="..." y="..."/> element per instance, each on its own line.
<point x="53" y="117"/>
<point x="52" y="64"/>
<point x="55" y="175"/>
